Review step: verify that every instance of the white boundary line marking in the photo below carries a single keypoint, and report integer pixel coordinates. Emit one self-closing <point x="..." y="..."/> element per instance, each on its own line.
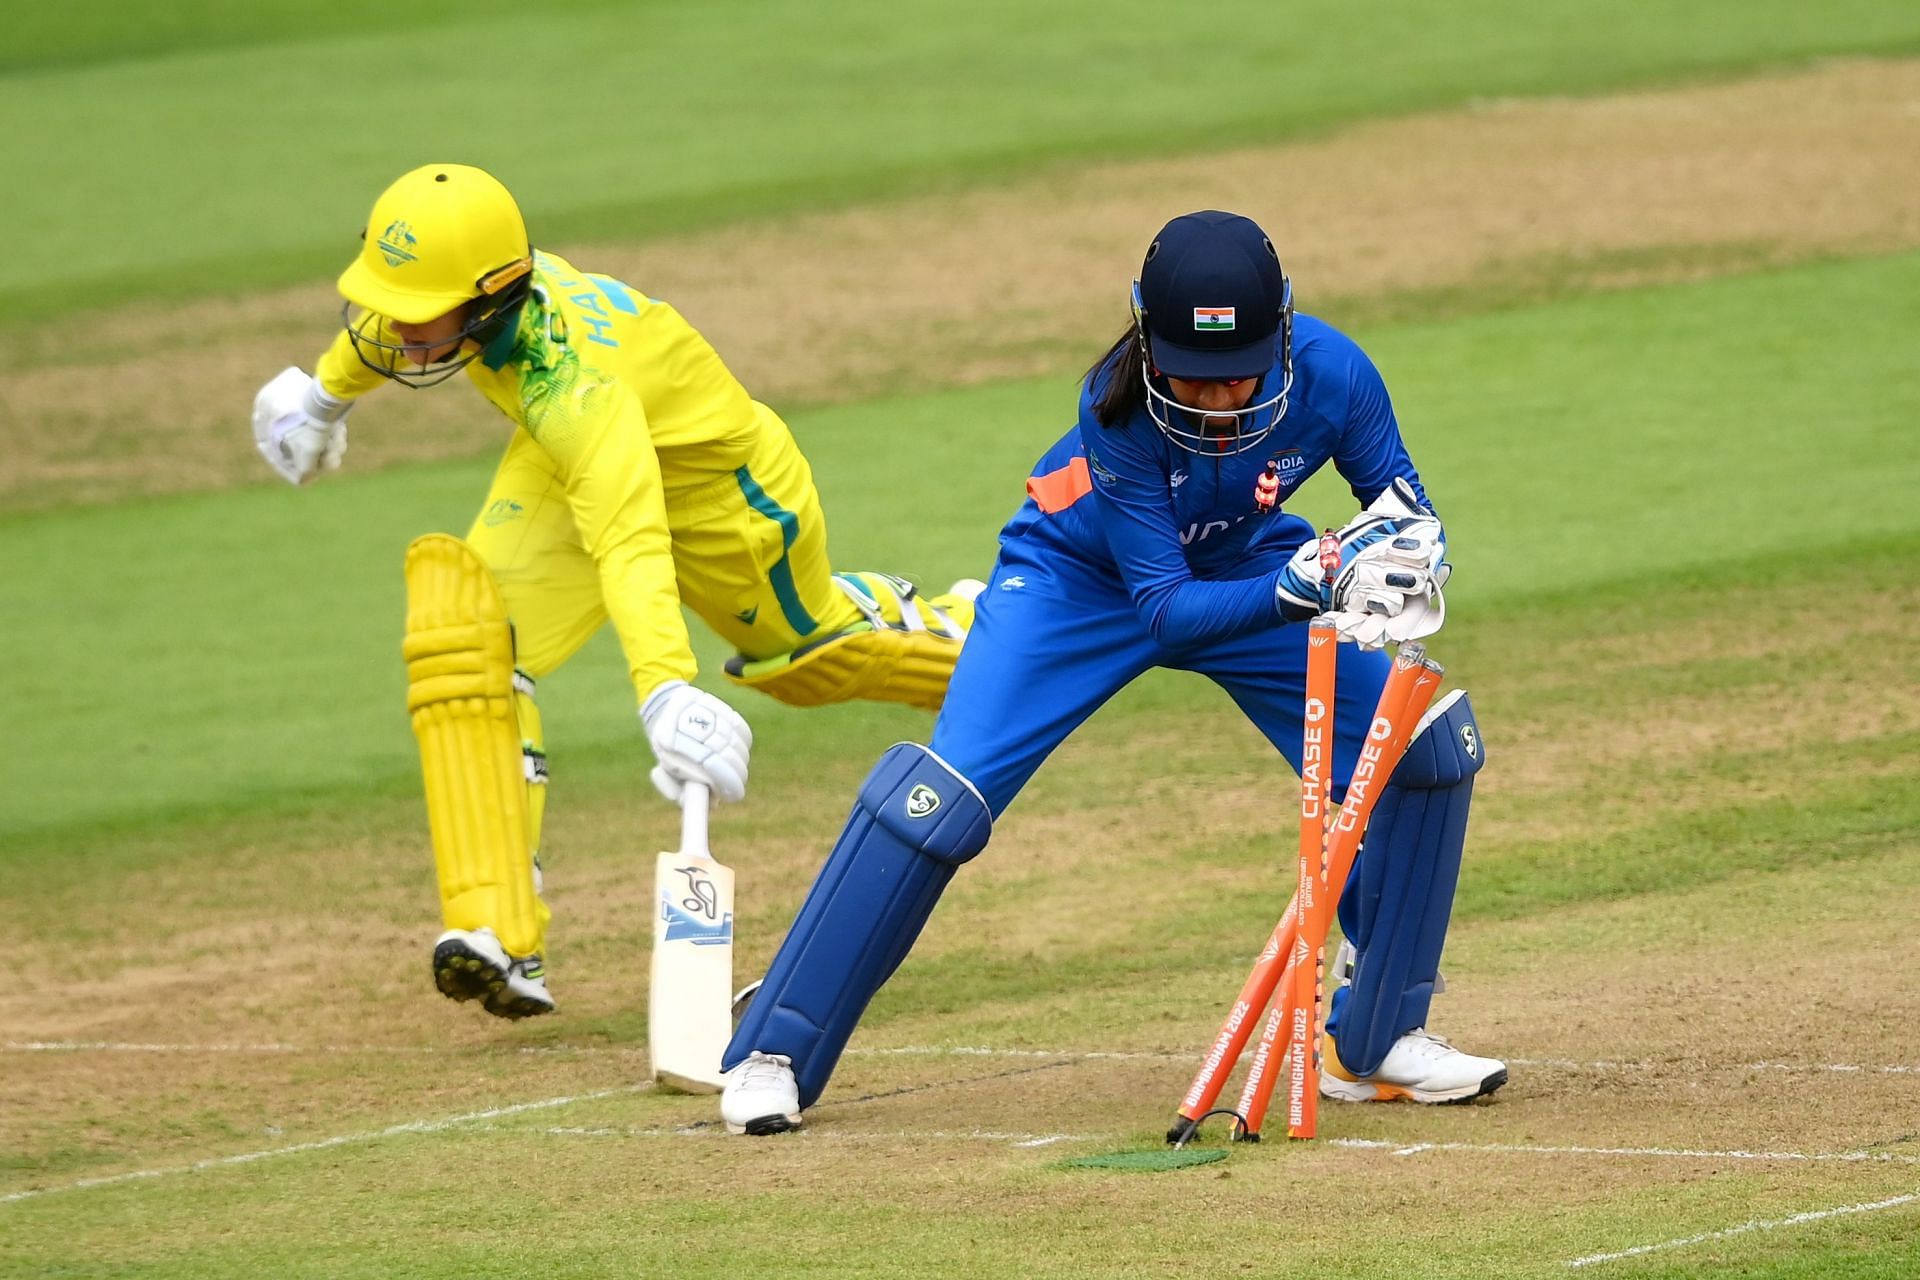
<point x="374" y="1135"/>
<point x="902" y="1051"/>
<point x="1798" y="1219"/>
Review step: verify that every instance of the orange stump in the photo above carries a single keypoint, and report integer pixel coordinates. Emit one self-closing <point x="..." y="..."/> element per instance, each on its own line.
<point x="1302" y="1007"/>
<point x="1291" y="960"/>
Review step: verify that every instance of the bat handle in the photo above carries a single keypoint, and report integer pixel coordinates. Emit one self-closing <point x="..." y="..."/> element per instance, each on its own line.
<point x="1329" y="556"/>
<point x="693" y="819"/>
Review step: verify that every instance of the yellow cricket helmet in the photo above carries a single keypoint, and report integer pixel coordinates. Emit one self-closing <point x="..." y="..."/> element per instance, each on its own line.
<point x="442" y="235"/>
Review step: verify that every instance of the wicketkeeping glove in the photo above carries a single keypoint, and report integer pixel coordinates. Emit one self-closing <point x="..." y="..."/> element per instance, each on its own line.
<point x="697" y="738"/>
<point x="298" y="428"/>
<point x="1391" y="603"/>
<point x="1392" y="566"/>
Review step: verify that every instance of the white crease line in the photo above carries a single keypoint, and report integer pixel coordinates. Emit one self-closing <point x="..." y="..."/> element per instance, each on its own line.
<point x="1569" y="1064"/>
<point x="817" y="1135"/>
<point x="1664" y="1153"/>
<point x="1796" y="1220"/>
<point x="1833" y="1066"/>
<point x="413" y="1126"/>
<point x="923" y="1051"/>
<point x="1357" y="1144"/>
<point x="318" y="1050"/>
<point x="978" y="1051"/>
<point x="1017" y="1139"/>
<point x="111" y="1046"/>
<point x="904" y="1051"/>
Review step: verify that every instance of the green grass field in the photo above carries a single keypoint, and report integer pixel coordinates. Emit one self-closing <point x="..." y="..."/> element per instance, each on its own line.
<point x="1685" y="603"/>
<point x="238" y="151"/>
<point x="1565" y="473"/>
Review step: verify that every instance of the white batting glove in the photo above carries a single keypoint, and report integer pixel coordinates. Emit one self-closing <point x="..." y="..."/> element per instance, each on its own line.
<point x="697" y="738"/>
<point x="298" y="428"/>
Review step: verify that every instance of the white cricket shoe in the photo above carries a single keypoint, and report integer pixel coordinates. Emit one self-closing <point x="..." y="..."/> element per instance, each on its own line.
<point x="761" y="1096"/>
<point x="470" y="964"/>
<point x="1420" y="1068"/>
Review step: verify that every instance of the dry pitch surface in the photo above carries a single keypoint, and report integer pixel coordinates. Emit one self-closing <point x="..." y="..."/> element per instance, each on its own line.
<point x="1723" y="1051"/>
<point x="1704" y="1077"/>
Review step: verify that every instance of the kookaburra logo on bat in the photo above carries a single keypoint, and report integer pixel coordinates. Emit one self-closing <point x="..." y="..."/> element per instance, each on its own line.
<point x="700" y="897"/>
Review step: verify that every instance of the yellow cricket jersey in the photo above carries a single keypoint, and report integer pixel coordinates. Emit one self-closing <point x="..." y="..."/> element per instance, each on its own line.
<point x="633" y="406"/>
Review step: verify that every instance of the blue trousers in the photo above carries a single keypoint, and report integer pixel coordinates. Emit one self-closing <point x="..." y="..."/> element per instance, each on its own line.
<point x="1053" y="639"/>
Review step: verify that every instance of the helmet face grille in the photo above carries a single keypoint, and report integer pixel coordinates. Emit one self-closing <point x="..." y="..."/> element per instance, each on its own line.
<point x="1189" y="428"/>
<point x="1222" y="433"/>
<point x="378" y="347"/>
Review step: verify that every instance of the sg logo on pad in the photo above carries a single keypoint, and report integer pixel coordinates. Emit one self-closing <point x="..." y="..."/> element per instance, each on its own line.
<point x="922" y="801"/>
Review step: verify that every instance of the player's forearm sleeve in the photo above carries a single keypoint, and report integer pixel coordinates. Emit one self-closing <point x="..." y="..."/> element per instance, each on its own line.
<point x="1371" y="454"/>
<point x="1198" y="611"/>
<point x="341" y="373"/>
<point x="613" y="485"/>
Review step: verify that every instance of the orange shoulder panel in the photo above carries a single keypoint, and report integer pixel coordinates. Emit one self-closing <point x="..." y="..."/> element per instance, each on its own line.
<point x="1058" y="490"/>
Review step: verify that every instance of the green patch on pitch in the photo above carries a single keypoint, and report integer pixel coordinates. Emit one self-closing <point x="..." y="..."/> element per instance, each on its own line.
<point x="1149" y="1161"/>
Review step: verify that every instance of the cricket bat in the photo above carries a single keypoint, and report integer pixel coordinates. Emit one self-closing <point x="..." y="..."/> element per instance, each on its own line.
<point x="689" y="1006"/>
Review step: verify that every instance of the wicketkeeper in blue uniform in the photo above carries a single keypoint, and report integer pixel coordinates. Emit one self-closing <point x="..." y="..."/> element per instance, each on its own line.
<point x="1154" y="534"/>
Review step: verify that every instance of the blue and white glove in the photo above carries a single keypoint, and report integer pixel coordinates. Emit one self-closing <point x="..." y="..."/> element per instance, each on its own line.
<point x="696" y="738"/>
<point x="298" y="428"/>
<point x="1392" y="566"/>
<point x="1390" y="593"/>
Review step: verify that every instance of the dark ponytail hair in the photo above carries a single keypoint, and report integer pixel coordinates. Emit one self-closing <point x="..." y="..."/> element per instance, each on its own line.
<point x="1118" y="379"/>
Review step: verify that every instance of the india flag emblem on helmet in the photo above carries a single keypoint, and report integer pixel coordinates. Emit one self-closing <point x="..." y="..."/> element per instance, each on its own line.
<point x="1212" y="319"/>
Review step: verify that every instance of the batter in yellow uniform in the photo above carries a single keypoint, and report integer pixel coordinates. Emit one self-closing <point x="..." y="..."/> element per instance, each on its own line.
<point x="641" y="476"/>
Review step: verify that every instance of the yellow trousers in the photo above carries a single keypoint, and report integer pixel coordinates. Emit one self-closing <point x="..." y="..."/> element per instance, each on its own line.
<point x="749" y="553"/>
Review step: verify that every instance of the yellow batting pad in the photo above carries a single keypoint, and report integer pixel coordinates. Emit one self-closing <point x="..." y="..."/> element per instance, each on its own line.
<point x="904" y="652"/>
<point x="533" y="760"/>
<point x="461" y="698"/>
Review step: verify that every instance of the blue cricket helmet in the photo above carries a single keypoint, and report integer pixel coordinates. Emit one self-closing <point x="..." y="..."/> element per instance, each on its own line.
<point x="1213" y="304"/>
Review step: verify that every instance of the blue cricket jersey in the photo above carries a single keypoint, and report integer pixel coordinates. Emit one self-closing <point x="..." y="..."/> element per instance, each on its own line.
<point x="1184" y="532"/>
